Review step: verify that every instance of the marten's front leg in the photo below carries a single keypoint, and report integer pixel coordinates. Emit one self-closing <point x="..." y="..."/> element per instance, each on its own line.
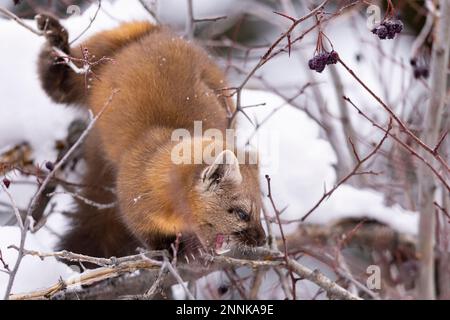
<point x="60" y="82"/>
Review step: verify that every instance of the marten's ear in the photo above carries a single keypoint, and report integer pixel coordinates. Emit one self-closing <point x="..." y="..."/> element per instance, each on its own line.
<point x="224" y="167"/>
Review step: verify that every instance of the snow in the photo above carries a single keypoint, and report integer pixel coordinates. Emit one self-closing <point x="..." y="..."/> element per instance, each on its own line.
<point x="297" y="159"/>
<point x="33" y="272"/>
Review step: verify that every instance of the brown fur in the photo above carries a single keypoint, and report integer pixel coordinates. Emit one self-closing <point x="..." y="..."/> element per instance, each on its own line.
<point x="164" y="83"/>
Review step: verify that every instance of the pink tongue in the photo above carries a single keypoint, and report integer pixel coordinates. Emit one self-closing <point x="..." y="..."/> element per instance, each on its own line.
<point x="219" y="240"/>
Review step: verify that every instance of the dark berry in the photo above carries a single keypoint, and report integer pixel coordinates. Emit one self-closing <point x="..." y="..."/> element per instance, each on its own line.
<point x="389" y="24"/>
<point x="320" y="68"/>
<point x="49" y="165"/>
<point x="222" y="289"/>
<point x="421" y="72"/>
<point x="397" y="26"/>
<point x="321" y="61"/>
<point x="312" y="64"/>
<point x="382" y="32"/>
<point x="333" y="57"/>
<point x="391" y="35"/>
<point x="317" y="63"/>
<point x="322" y="58"/>
<point x="6" y="182"/>
<point x="391" y="27"/>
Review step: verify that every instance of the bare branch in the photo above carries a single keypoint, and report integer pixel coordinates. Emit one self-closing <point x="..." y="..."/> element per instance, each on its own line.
<point x="119" y="266"/>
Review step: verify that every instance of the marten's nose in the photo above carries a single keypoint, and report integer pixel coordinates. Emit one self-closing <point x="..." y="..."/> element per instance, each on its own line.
<point x="256" y="235"/>
<point x="261" y="240"/>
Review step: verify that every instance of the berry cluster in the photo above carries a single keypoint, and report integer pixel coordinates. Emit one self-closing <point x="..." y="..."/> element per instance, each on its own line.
<point x="319" y="61"/>
<point x="388" y="29"/>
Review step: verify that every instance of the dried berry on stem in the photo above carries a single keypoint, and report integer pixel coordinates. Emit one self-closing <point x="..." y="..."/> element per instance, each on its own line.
<point x="390" y="26"/>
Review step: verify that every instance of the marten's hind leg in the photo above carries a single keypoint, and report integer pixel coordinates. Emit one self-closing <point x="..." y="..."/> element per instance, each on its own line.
<point x="61" y="82"/>
<point x="94" y="230"/>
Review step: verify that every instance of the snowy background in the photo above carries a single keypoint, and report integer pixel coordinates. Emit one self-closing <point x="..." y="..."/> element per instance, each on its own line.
<point x="300" y="160"/>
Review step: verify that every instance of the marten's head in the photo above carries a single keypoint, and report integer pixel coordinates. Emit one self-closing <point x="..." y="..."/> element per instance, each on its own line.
<point x="228" y="205"/>
<point x="214" y="204"/>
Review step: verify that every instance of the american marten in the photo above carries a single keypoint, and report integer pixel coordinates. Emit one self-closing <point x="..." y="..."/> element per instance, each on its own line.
<point x="162" y="83"/>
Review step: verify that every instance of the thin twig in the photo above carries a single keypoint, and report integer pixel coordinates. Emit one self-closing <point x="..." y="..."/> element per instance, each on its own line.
<point x="354" y="171"/>
<point x="89" y="202"/>
<point x="283" y="238"/>
<point x="90" y="23"/>
<point x="150" y="10"/>
<point x="13" y="206"/>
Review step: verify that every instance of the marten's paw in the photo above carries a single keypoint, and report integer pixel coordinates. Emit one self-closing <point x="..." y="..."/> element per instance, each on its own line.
<point x="54" y="32"/>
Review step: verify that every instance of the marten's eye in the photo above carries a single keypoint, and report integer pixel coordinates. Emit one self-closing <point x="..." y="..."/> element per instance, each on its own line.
<point x="243" y="215"/>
